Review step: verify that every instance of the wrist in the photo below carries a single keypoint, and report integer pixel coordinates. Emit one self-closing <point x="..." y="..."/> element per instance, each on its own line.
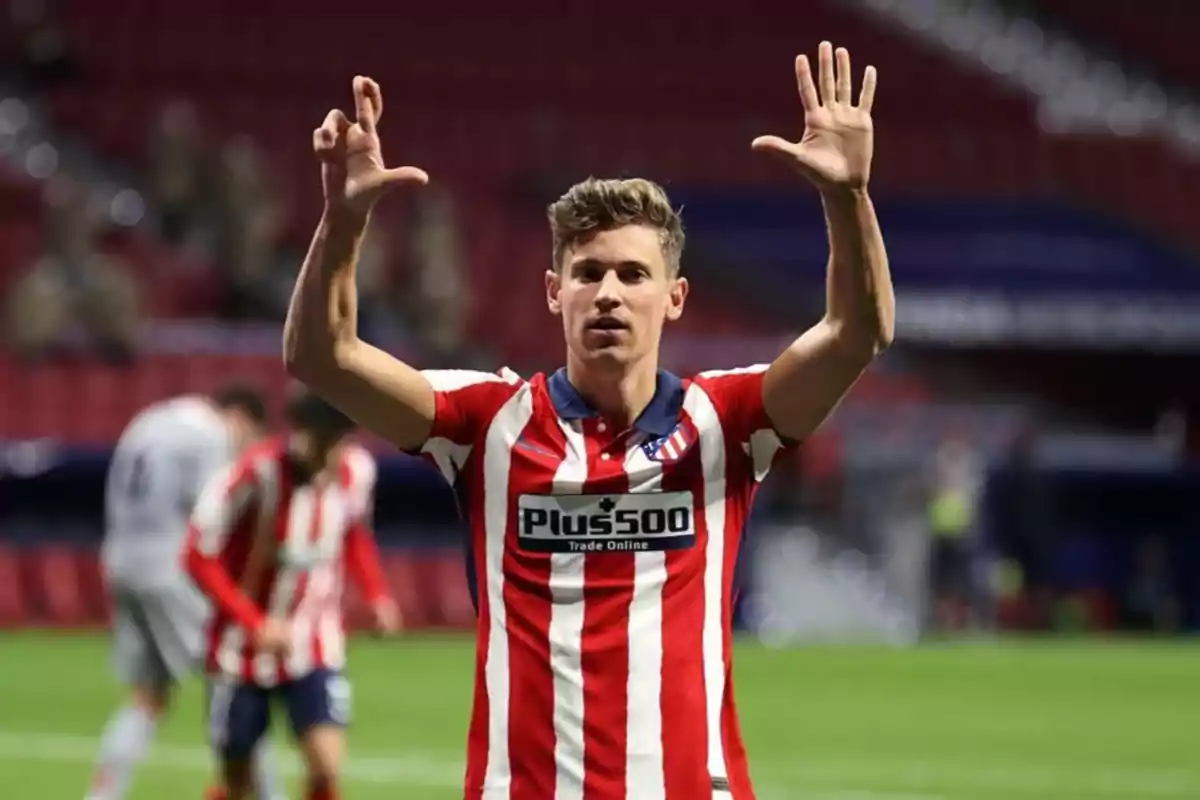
<point x="340" y="221"/>
<point x="255" y="624"/>
<point x="843" y="195"/>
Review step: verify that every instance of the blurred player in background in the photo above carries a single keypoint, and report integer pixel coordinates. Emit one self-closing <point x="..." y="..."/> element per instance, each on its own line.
<point x="606" y="500"/>
<point x="267" y="545"/>
<point x="161" y="463"/>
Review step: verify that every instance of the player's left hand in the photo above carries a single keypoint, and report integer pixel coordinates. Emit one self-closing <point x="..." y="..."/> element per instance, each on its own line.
<point x="838" y="142"/>
<point x="387" y="616"/>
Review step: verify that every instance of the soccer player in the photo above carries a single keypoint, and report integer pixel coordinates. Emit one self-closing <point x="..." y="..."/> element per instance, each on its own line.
<point x="606" y="500"/>
<point x="267" y="543"/>
<point x="161" y="463"/>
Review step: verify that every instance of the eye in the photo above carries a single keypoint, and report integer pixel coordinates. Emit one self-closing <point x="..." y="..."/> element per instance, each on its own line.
<point x="633" y="274"/>
<point x="589" y="273"/>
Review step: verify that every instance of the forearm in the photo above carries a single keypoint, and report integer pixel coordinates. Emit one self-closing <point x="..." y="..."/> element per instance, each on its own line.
<point x="362" y="558"/>
<point x="322" y="318"/>
<point x="860" y="300"/>
<point x="215" y="582"/>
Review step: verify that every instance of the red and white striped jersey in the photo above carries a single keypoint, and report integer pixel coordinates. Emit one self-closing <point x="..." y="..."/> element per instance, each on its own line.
<point x="603" y="568"/>
<point x="267" y="539"/>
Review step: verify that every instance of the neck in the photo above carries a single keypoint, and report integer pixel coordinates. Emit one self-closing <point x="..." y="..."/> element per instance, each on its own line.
<point x="620" y="394"/>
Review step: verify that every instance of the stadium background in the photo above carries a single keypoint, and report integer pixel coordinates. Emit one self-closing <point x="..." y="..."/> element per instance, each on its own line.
<point x="1037" y="179"/>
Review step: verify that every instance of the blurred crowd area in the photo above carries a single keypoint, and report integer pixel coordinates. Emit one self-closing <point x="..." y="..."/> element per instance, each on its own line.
<point x="194" y="221"/>
<point x="1024" y="457"/>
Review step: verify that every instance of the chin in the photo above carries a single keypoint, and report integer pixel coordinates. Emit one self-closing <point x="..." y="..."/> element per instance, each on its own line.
<point x="608" y="355"/>
<point x="611" y="354"/>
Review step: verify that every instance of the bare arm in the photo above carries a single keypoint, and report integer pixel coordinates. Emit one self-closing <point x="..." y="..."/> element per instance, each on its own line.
<point x="322" y="349"/>
<point x="806" y="382"/>
<point x="320" y="340"/>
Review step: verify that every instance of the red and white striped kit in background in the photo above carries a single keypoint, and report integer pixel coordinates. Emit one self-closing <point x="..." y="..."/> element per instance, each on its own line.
<point x="306" y="530"/>
<point x="602" y="564"/>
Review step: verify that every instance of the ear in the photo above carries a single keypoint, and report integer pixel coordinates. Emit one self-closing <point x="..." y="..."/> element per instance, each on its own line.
<point x="676" y="298"/>
<point x="553" y="287"/>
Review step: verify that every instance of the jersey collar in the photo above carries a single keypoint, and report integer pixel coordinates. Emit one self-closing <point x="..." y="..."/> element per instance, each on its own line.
<point x="658" y="419"/>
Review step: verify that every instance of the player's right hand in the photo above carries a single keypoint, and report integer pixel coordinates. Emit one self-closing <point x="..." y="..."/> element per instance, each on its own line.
<point x="387" y="616"/>
<point x="274" y="636"/>
<point x="352" y="167"/>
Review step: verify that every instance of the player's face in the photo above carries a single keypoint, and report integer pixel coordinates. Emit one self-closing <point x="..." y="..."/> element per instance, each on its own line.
<point x="243" y="431"/>
<point x="614" y="293"/>
<point x="321" y="447"/>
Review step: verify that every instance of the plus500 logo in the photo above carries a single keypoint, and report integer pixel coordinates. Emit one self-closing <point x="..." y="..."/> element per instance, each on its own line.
<point x="643" y="521"/>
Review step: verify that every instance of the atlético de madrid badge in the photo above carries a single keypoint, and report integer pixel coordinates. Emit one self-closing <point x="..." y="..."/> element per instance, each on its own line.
<point x="672" y="447"/>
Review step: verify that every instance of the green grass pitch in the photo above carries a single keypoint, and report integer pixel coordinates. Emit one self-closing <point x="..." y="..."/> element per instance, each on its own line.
<point x="1010" y="720"/>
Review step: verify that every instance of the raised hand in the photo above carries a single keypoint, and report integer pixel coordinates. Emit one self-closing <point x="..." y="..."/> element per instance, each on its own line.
<point x="352" y="167"/>
<point x="838" y="142"/>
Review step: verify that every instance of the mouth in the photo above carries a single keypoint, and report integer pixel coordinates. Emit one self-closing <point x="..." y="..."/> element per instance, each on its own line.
<point x="607" y="324"/>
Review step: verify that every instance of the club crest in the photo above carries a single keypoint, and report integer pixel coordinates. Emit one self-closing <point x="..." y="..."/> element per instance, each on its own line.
<point x="672" y="447"/>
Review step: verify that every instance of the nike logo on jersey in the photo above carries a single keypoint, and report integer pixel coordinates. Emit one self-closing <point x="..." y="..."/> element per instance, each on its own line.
<point x="605" y="523"/>
<point x="525" y="444"/>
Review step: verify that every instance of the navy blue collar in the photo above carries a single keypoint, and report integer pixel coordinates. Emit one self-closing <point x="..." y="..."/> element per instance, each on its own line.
<point x="658" y="419"/>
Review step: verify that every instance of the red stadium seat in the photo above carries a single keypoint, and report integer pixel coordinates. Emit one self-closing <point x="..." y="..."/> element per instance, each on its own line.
<point x="14" y="604"/>
<point x="92" y="402"/>
<point x="92" y="588"/>
<point x="1151" y="38"/>
<point x="701" y="94"/>
<point x="57" y="568"/>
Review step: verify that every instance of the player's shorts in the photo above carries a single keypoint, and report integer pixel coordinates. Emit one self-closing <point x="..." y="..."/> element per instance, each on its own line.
<point x="239" y="713"/>
<point x="158" y="632"/>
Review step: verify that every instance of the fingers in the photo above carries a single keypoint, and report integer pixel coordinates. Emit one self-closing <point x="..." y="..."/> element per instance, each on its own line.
<point x="866" y="98"/>
<point x="835" y="79"/>
<point x="773" y="144"/>
<point x="375" y="96"/>
<point x="791" y="153"/>
<point x="364" y="108"/>
<point x="406" y="175"/>
<point x="804" y="81"/>
<point x="377" y="183"/>
<point x="842" y="57"/>
<point x="326" y="137"/>
<point x="825" y="73"/>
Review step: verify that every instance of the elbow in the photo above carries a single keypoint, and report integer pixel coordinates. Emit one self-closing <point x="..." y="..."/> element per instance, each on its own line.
<point x="297" y="360"/>
<point x="294" y="362"/>
<point x="884" y="336"/>
<point x="866" y="340"/>
<point x="306" y="362"/>
<point x="877" y="327"/>
<point x="873" y="341"/>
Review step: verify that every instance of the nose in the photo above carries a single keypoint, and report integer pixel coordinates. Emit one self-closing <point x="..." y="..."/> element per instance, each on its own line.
<point x="608" y="296"/>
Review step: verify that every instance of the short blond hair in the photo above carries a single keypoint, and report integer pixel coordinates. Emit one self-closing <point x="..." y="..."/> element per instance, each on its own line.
<point x="596" y="205"/>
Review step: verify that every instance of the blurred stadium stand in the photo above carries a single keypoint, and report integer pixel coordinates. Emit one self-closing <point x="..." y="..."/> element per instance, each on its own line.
<point x="1044" y="250"/>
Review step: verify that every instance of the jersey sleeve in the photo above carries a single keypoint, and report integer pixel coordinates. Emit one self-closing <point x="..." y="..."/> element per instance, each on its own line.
<point x="363" y="562"/>
<point x="225" y="497"/>
<point x="364" y="472"/>
<point x="465" y="402"/>
<point x="737" y="399"/>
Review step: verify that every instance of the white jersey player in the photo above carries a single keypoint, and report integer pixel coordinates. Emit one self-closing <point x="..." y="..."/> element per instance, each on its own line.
<point x="160" y="465"/>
